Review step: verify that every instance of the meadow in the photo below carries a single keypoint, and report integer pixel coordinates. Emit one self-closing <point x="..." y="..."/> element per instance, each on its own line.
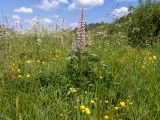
<point x="42" y="78"/>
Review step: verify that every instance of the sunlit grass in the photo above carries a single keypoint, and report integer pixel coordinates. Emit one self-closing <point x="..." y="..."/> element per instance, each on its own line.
<point x="34" y="83"/>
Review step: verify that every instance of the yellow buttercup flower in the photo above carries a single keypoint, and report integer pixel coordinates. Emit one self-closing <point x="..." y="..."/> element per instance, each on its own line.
<point x="154" y="57"/>
<point x="28" y="61"/>
<point x="106" y="117"/>
<point x="19" y="76"/>
<point x="82" y="107"/>
<point x="106" y="101"/>
<point x="18" y="70"/>
<point x="123" y="104"/>
<point x="150" y="58"/>
<point x="72" y="90"/>
<point x="28" y="75"/>
<point x="92" y="101"/>
<point x="88" y="112"/>
<point x="116" y="108"/>
<point x="85" y="110"/>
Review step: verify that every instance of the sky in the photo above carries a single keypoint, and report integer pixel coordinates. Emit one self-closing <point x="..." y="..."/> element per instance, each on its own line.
<point x="25" y="13"/>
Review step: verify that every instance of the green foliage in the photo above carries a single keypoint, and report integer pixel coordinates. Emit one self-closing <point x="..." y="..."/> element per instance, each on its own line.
<point x="83" y="71"/>
<point x="144" y="24"/>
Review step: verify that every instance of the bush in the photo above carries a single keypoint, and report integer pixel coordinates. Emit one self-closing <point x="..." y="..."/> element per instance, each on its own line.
<point x="144" y="24"/>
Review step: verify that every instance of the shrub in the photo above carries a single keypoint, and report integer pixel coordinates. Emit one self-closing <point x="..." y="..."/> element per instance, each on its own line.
<point x="144" y="24"/>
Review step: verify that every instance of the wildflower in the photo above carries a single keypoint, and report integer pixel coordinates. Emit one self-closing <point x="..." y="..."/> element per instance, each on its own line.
<point x="101" y="77"/>
<point x="18" y="70"/>
<point x="87" y="110"/>
<point x="106" y="117"/>
<point x="106" y="101"/>
<point x="128" y="100"/>
<point x="28" y="75"/>
<point x="80" y="43"/>
<point x="19" y="76"/>
<point x="123" y="104"/>
<point x="116" y="108"/>
<point x="131" y="103"/>
<point x="92" y="101"/>
<point x="43" y="62"/>
<point x="72" y="90"/>
<point x="28" y="62"/>
<point x="150" y="58"/>
<point x="82" y="107"/>
<point x="154" y="57"/>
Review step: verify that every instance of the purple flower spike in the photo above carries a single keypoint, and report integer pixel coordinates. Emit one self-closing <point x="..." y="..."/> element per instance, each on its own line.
<point x="80" y="44"/>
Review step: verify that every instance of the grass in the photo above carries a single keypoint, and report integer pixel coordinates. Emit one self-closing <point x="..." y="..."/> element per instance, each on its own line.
<point x="35" y="83"/>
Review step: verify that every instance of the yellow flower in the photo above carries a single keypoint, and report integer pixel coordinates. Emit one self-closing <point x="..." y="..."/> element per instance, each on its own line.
<point x="128" y="100"/>
<point x="106" y="117"/>
<point x="44" y="62"/>
<point x="150" y="58"/>
<point x="106" y="101"/>
<point x="116" y="108"/>
<point x="28" y="75"/>
<point x="72" y="90"/>
<point x="18" y="70"/>
<point x="88" y="112"/>
<point x="123" y="104"/>
<point x="19" y="76"/>
<point x="131" y="103"/>
<point x="101" y="77"/>
<point x="154" y="57"/>
<point x="92" y="101"/>
<point x="28" y="61"/>
<point x="82" y="107"/>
